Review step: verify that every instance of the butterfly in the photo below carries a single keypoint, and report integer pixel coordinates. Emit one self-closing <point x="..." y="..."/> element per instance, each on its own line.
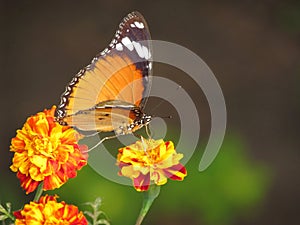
<point x="111" y="92"/>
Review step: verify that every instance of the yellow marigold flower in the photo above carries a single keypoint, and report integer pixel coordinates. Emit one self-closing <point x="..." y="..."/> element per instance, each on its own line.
<point x="45" y="151"/>
<point x="150" y="160"/>
<point x="48" y="211"/>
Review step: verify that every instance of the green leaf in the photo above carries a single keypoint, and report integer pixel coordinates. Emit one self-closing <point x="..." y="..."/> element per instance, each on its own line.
<point x="8" y="206"/>
<point x="98" y="217"/>
<point x="2" y="209"/>
<point x="6" y="213"/>
<point x="3" y="217"/>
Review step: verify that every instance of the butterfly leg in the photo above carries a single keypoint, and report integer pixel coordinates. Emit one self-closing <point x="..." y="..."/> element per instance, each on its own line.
<point x="148" y="131"/>
<point x="91" y="135"/>
<point x="100" y="142"/>
<point x="87" y="133"/>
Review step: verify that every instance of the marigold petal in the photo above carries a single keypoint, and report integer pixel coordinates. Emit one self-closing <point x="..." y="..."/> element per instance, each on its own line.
<point x="176" y="172"/>
<point x="159" y="177"/>
<point x="52" y="182"/>
<point x="20" y="162"/>
<point x="17" y="214"/>
<point x="142" y="182"/>
<point x="40" y="126"/>
<point x="128" y="171"/>
<point x="16" y="144"/>
<point x="39" y="161"/>
<point x="69" y="136"/>
<point x="27" y="183"/>
<point x="34" y="172"/>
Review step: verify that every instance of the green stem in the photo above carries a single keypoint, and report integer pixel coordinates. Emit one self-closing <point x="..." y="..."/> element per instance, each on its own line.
<point x="11" y="217"/>
<point x="149" y="197"/>
<point x="38" y="192"/>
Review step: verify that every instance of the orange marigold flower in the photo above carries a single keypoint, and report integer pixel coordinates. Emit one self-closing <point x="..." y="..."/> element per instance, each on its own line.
<point x="45" y="151"/>
<point x="150" y="160"/>
<point x="48" y="211"/>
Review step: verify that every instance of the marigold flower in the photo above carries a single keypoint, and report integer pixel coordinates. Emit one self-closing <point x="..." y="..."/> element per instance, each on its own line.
<point x="48" y="211"/>
<point x="45" y="151"/>
<point x="150" y="160"/>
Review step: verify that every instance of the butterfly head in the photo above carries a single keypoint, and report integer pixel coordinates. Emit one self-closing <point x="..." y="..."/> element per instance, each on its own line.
<point x="139" y="122"/>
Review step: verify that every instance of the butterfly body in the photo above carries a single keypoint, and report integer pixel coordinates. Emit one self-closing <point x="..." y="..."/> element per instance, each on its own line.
<point x="110" y="93"/>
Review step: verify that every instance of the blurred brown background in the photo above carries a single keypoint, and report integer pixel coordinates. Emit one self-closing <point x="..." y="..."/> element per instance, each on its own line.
<point x="252" y="47"/>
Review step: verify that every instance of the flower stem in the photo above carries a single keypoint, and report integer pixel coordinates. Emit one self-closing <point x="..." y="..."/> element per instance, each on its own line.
<point x="38" y="192"/>
<point x="149" y="197"/>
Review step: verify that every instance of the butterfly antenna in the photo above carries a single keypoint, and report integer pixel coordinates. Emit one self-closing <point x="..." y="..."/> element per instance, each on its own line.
<point x="167" y="117"/>
<point x="161" y="101"/>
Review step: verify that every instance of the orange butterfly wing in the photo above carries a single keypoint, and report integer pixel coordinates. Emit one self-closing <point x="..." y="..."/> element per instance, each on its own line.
<point x="119" y="74"/>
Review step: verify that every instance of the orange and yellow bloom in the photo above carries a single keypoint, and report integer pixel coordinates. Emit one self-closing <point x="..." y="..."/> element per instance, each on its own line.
<point x="45" y="151"/>
<point x="48" y="211"/>
<point x="150" y="160"/>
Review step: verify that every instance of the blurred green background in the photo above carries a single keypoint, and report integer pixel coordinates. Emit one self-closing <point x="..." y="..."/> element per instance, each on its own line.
<point x="253" y="49"/>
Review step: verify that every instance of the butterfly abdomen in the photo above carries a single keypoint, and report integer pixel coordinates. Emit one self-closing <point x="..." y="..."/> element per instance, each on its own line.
<point x="121" y="117"/>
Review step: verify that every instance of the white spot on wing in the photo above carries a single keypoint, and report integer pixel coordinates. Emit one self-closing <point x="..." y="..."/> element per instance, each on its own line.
<point x="146" y="52"/>
<point x="126" y="41"/>
<point x="119" y="47"/>
<point x="139" y="24"/>
<point x="138" y="49"/>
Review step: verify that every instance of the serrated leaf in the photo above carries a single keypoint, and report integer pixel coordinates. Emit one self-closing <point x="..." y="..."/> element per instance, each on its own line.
<point x="3" y="217"/>
<point x="8" y="206"/>
<point x="96" y="212"/>
<point x="98" y="201"/>
<point x="2" y="209"/>
<point x="102" y="221"/>
<point x="88" y="213"/>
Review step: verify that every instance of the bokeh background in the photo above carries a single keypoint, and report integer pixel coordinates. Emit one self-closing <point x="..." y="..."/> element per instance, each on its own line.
<point x="252" y="47"/>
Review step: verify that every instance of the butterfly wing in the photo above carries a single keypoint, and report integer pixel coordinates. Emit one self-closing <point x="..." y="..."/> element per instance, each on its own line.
<point x="115" y="86"/>
<point x="121" y="72"/>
